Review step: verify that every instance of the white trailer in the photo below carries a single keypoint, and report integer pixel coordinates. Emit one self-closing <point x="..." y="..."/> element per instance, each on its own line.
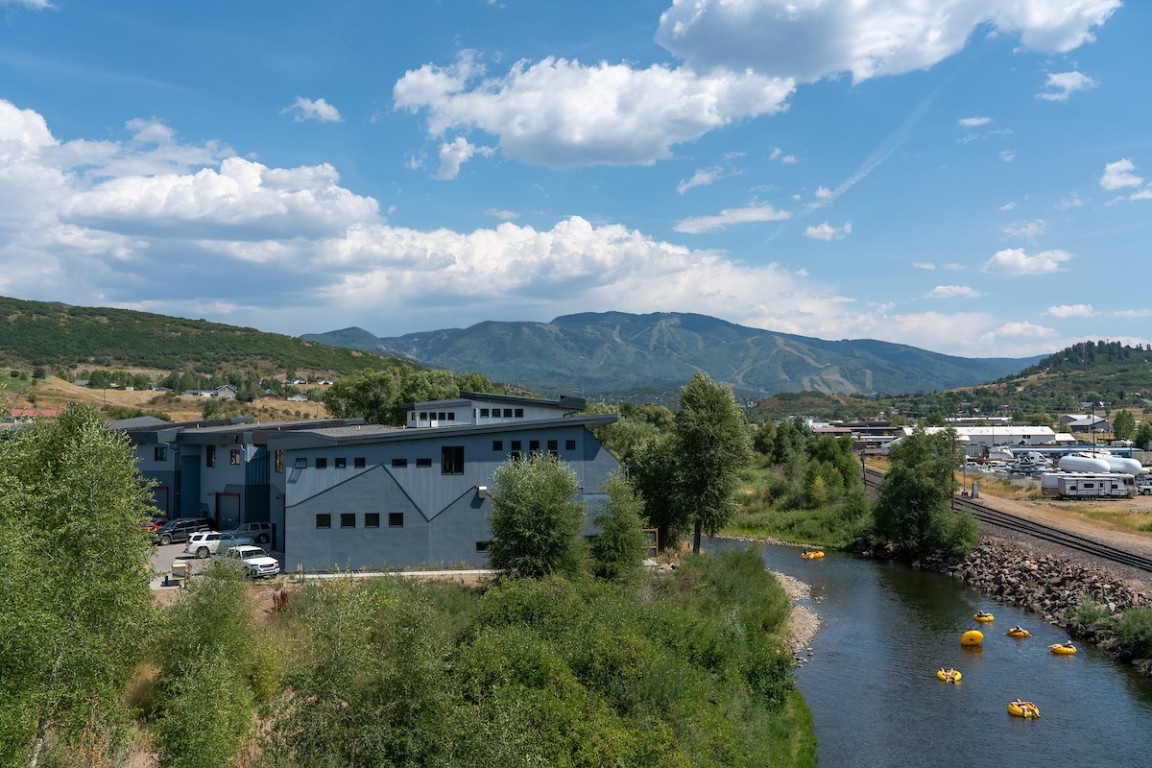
<point x="1088" y="485"/>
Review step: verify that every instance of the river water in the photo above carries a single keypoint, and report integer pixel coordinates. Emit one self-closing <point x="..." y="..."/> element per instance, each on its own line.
<point x="871" y="683"/>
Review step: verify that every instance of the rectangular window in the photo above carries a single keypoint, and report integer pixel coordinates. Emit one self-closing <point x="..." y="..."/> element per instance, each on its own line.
<point x="423" y="462"/>
<point x="347" y="519"/>
<point x="279" y="461"/>
<point x="359" y="462"/>
<point x="552" y="446"/>
<point x="569" y="445"/>
<point x="210" y="455"/>
<point x="399" y="463"/>
<point x="234" y="457"/>
<point x="301" y="463"/>
<point x="423" y="415"/>
<point x="482" y="546"/>
<point x="519" y="413"/>
<point x="534" y="446"/>
<point x="498" y="445"/>
<point x="452" y="460"/>
<point x="443" y="416"/>
<point x="507" y="413"/>
<point x="321" y="462"/>
<point x="514" y="455"/>
<point x="371" y="519"/>
<point x="412" y="416"/>
<point x="323" y="520"/>
<point x="160" y="453"/>
<point x="516" y="446"/>
<point x="341" y="462"/>
<point x="451" y="415"/>
<point x="483" y="413"/>
<point x="395" y="519"/>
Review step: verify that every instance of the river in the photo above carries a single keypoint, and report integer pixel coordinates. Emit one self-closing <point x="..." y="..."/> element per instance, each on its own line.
<point x="871" y="684"/>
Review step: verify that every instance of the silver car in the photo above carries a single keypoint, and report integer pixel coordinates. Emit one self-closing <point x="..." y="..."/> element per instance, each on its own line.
<point x="207" y="543"/>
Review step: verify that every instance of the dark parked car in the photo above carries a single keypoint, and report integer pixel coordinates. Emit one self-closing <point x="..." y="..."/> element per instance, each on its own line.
<point x="180" y="529"/>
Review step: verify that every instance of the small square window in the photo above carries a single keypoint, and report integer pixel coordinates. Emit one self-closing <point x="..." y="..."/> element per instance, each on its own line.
<point x="451" y="415"/>
<point x="483" y="413"/>
<point x="399" y="463"/>
<point x="160" y="453"/>
<point x="301" y="463"/>
<point x="569" y="445"/>
<point x="341" y="462"/>
<point x="323" y="520"/>
<point x="507" y="413"/>
<point x="321" y="462"/>
<point x="482" y="546"/>
<point x="423" y="462"/>
<point x="371" y="519"/>
<point x="534" y="446"/>
<point x="553" y="446"/>
<point x="514" y="455"/>
<point x="516" y="446"/>
<point x="443" y="416"/>
<point x="497" y="445"/>
<point x="347" y="519"/>
<point x="358" y="462"/>
<point x="395" y="519"/>
<point x="234" y="457"/>
<point x="519" y="413"/>
<point x="423" y="415"/>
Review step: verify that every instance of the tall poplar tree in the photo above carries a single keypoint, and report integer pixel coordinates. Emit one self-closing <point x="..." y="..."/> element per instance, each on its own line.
<point x="713" y="444"/>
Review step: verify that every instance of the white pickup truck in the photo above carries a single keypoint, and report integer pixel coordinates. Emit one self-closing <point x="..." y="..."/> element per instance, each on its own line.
<point x="1144" y="488"/>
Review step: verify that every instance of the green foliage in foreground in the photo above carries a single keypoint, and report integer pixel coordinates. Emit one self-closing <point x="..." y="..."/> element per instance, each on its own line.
<point x="685" y="669"/>
<point x="536" y="519"/>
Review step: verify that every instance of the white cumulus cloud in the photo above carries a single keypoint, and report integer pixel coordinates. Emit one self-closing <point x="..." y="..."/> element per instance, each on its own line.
<point x="974" y="122"/>
<point x="953" y="292"/>
<point x="812" y="39"/>
<point x="826" y="231"/>
<point x="729" y="216"/>
<point x="559" y="112"/>
<point x="1119" y="175"/>
<point x="455" y="153"/>
<point x="1018" y="330"/>
<point x="1014" y="261"/>
<point x="1061" y="85"/>
<point x="1026" y="229"/>
<point x="1070" y="310"/>
<point x="308" y="109"/>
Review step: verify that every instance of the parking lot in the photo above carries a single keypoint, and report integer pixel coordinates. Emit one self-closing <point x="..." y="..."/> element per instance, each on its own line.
<point x="164" y="556"/>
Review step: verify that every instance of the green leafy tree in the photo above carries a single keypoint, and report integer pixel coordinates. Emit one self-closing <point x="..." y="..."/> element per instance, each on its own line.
<point x="713" y="443"/>
<point x="536" y="519"/>
<point x="652" y="467"/>
<point x="618" y="549"/>
<point x="74" y="597"/>
<point x="913" y="509"/>
<point x="371" y="395"/>
<point x="1124" y="425"/>
<point x="1143" y="435"/>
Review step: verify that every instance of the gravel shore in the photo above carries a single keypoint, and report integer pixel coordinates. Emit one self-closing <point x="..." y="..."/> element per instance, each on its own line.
<point x="803" y="623"/>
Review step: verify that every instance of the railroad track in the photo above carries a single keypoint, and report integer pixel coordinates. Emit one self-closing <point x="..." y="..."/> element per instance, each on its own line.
<point x="991" y="516"/>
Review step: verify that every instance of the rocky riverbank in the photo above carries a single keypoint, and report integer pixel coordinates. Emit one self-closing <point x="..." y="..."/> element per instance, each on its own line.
<point x="1050" y="586"/>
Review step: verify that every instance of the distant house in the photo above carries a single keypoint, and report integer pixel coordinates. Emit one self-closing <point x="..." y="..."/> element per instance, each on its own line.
<point x="27" y="414"/>
<point x="1088" y="425"/>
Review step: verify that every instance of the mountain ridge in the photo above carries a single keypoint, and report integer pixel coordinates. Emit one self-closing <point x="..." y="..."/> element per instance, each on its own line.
<point x="609" y="354"/>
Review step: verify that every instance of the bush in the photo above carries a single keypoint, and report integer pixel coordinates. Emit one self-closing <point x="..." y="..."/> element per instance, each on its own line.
<point x="1134" y="630"/>
<point x="618" y="549"/>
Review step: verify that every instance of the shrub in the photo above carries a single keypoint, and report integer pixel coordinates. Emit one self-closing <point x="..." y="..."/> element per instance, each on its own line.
<point x="1134" y="631"/>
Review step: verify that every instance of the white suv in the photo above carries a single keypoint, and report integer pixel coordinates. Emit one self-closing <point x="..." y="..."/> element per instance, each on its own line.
<point x="259" y="532"/>
<point x="207" y="543"/>
<point x="254" y="560"/>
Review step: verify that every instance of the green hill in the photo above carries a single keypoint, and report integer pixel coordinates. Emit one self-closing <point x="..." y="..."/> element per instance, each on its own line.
<point x="57" y="336"/>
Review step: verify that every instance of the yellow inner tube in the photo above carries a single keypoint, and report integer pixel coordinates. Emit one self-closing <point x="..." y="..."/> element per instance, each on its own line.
<point x="949" y="676"/>
<point x="1062" y="650"/>
<point x="1025" y="709"/>
<point x="984" y="617"/>
<point x="812" y="555"/>
<point x="972" y="637"/>
<point x="1017" y="632"/>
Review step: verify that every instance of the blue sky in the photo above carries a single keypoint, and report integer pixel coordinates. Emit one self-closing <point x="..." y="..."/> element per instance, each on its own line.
<point x="971" y="177"/>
